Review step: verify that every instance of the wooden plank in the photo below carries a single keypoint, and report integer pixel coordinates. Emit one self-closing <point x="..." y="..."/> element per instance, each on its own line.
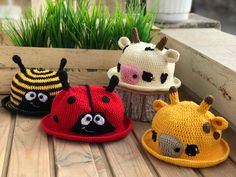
<point x="6" y="132"/>
<point x="207" y="61"/>
<point x="29" y="153"/>
<point x="230" y="136"/>
<point x="73" y="159"/>
<point x="125" y="158"/>
<point x="100" y="160"/>
<point x="50" y="57"/>
<point x="226" y="169"/>
<point x="76" y="78"/>
<point x="162" y="168"/>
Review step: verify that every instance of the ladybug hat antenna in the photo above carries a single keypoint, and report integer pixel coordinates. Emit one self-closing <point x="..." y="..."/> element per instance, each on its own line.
<point x="64" y="80"/>
<point x="62" y="65"/>
<point x="18" y="61"/>
<point x="112" y="84"/>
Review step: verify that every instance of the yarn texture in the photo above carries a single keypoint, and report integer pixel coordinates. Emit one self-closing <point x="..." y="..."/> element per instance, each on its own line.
<point x="186" y="134"/>
<point x="145" y="66"/>
<point x="32" y="90"/>
<point x="87" y="113"/>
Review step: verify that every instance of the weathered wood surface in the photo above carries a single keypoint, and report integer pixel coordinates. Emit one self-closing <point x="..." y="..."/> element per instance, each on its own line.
<point x="25" y="150"/>
<point x="207" y="65"/>
<point x="138" y="105"/>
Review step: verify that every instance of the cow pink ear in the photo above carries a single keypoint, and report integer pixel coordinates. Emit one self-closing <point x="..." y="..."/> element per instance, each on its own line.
<point x="219" y="123"/>
<point x="171" y="56"/>
<point x="158" y="104"/>
<point x="123" y="42"/>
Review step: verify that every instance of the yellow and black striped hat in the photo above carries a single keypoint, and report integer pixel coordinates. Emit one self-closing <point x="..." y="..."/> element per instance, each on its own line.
<point x="32" y="90"/>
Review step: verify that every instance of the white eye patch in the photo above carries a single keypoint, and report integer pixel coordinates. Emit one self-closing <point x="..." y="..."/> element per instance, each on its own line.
<point x="42" y="97"/>
<point x="99" y="120"/>
<point x="86" y="119"/>
<point x="30" y="96"/>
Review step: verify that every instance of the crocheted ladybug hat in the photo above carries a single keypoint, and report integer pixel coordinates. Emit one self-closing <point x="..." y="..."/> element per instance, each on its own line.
<point x="145" y="66"/>
<point x="186" y="134"/>
<point x="32" y="90"/>
<point x="87" y="113"/>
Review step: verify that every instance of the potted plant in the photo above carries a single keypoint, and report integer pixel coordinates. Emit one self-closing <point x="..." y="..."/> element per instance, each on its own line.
<point x="170" y="10"/>
<point x="88" y="39"/>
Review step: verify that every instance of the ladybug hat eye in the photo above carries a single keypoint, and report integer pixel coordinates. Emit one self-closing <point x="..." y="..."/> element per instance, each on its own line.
<point x="112" y="84"/>
<point x="64" y="80"/>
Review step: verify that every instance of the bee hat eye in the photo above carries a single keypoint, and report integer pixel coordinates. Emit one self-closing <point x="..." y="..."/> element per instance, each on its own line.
<point x="32" y="90"/>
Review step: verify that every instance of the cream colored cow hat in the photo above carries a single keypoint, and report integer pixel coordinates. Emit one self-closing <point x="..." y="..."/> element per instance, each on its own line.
<point x="145" y="66"/>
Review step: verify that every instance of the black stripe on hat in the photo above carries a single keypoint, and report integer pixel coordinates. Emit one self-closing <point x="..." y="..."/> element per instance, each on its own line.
<point x="26" y="90"/>
<point x="35" y="73"/>
<point x="32" y="77"/>
<point x="90" y="98"/>
<point x="36" y="84"/>
<point x="16" y="93"/>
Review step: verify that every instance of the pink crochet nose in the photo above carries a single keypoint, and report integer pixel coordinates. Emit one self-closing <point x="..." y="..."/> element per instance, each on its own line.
<point x="130" y="74"/>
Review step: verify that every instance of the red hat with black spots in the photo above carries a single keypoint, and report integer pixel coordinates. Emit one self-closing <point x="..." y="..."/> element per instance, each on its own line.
<point x="87" y="113"/>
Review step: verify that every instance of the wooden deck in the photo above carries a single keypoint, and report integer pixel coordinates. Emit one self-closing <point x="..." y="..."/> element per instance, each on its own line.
<point x="26" y="151"/>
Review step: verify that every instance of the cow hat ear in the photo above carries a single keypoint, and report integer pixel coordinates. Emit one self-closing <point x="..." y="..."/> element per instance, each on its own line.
<point x="171" y="56"/>
<point x="64" y="80"/>
<point x="219" y="123"/>
<point x="123" y="42"/>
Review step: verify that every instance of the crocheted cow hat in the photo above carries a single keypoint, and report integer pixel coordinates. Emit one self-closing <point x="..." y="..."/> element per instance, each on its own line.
<point x="186" y="134"/>
<point x="87" y="113"/>
<point x="145" y="66"/>
<point x="32" y="90"/>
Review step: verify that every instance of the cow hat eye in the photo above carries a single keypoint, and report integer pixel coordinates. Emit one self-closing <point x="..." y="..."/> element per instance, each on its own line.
<point x="30" y="96"/>
<point x="42" y="97"/>
<point x="86" y="119"/>
<point x="99" y="120"/>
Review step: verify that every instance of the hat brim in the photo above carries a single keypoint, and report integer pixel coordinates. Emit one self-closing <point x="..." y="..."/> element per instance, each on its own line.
<point x="152" y="88"/>
<point x="47" y="124"/>
<point x="218" y="155"/>
<point x="6" y="103"/>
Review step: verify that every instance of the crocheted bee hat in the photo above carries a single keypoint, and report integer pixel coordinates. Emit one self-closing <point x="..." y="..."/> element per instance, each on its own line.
<point x="87" y="113"/>
<point x="32" y="90"/>
<point x="186" y="134"/>
<point x="145" y="66"/>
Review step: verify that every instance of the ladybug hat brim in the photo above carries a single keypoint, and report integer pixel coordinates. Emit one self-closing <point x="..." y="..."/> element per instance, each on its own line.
<point x="48" y="122"/>
<point x="6" y="103"/>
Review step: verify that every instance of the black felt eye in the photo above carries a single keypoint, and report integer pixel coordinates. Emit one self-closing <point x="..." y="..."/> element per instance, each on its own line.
<point x="206" y="127"/>
<point x="105" y="99"/>
<point x="71" y="100"/>
<point x="148" y="77"/>
<point x="55" y="118"/>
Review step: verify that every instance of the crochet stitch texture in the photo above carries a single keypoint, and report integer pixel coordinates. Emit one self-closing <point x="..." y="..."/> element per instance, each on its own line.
<point x="186" y="134"/>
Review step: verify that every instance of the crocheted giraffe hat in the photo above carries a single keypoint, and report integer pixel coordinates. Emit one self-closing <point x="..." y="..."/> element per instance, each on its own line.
<point x="32" y="90"/>
<point x="145" y="66"/>
<point x="186" y="134"/>
<point x="87" y="113"/>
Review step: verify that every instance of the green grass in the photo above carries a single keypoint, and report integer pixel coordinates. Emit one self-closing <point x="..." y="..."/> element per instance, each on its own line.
<point x="61" y="25"/>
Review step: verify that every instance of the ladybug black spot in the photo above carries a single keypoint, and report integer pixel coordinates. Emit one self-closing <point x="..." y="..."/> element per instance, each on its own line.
<point x="71" y="100"/>
<point x="105" y="99"/>
<point x="55" y="118"/>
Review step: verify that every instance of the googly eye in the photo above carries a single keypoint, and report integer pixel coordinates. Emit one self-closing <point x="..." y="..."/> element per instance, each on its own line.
<point x="42" y="97"/>
<point x="30" y="96"/>
<point x="86" y="119"/>
<point x="98" y="119"/>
